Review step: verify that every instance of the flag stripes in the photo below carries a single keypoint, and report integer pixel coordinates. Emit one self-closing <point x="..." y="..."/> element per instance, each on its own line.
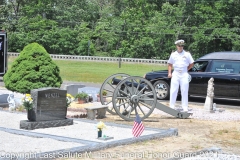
<point x="138" y="127"/>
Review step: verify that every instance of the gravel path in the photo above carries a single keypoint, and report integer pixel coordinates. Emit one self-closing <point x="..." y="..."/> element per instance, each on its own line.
<point x="78" y="130"/>
<point x="201" y="114"/>
<point x="30" y="144"/>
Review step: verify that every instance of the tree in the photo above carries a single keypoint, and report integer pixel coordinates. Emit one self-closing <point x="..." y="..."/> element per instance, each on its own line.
<point x="33" y="69"/>
<point x="126" y="28"/>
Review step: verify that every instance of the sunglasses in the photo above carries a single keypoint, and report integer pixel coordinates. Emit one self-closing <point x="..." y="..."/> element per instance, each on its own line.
<point x="180" y="45"/>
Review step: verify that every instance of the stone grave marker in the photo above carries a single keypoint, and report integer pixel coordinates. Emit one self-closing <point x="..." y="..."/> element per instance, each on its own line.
<point x="73" y="88"/>
<point x="49" y="109"/>
<point x="3" y="100"/>
<point x="50" y="104"/>
<point x="93" y="91"/>
<point x="208" y="105"/>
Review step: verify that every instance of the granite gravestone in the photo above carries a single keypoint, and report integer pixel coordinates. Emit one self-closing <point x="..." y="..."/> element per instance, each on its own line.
<point x="49" y="109"/>
<point x="73" y="88"/>
<point x="93" y="91"/>
<point x="50" y="104"/>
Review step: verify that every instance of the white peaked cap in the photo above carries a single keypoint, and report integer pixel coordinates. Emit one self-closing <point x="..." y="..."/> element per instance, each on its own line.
<point x="180" y="42"/>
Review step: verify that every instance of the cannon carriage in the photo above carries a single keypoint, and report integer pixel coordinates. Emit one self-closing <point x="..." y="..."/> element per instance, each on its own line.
<point x="131" y="95"/>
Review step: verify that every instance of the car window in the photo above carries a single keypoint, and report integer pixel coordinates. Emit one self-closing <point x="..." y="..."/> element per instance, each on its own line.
<point x="199" y="66"/>
<point x="225" y="67"/>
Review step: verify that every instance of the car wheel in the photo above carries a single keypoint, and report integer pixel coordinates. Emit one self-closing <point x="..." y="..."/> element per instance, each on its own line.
<point x="162" y="89"/>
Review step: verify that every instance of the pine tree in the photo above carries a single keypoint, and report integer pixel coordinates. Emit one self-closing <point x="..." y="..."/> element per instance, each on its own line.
<point x="32" y="69"/>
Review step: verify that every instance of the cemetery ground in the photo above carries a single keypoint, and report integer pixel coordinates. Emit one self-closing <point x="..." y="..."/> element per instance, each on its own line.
<point x="194" y="134"/>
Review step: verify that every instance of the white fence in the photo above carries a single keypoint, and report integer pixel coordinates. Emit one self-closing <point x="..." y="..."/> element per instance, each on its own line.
<point x="103" y="59"/>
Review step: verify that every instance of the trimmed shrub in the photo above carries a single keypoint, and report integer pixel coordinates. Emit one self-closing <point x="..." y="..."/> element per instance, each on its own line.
<point x="32" y="69"/>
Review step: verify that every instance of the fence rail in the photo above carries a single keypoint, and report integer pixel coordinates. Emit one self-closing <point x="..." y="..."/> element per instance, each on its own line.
<point x="103" y="59"/>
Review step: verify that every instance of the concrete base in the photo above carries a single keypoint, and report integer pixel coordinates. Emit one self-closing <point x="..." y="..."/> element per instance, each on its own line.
<point x="4" y="105"/>
<point x="105" y="138"/>
<point x="30" y="125"/>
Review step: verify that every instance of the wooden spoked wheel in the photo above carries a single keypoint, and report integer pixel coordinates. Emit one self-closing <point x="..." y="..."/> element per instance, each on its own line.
<point x="130" y="96"/>
<point x="109" y="86"/>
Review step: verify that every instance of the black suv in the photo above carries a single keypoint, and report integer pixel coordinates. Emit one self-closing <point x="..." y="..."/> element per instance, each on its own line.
<point x="224" y="67"/>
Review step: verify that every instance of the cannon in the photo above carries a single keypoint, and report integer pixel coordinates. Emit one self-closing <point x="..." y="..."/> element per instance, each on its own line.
<point x="128" y="96"/>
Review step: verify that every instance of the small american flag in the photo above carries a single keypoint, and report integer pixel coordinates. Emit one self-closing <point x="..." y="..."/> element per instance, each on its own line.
<point x="138" y="127"/>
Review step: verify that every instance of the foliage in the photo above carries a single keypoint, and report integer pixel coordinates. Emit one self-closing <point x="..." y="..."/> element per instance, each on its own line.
<point x="104" y="92"/>
<point x="27" y="102"/>
<point x="32" y="69"/>
<point x="122" y="28"/>
<point x="69" y="99"/>
<point x="81" y="95"/>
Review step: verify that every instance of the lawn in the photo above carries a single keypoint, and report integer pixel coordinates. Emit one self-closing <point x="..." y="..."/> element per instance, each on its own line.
<point x="97" y="72"/>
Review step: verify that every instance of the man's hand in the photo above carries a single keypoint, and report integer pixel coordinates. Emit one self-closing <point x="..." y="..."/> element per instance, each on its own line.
<point x="169" y="70"/>
<point x="190" y="66"/>
<point x="169" y="75"/>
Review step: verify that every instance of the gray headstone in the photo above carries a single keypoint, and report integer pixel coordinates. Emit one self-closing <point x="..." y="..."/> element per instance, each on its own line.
<point x="3" y="98"/>
<point x="93" y="91"/>
<point x="49" y="104"/>
<point x="73" y="88"/>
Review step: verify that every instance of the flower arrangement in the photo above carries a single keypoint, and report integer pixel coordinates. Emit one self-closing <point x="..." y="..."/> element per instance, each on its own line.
<point x="27" y="102"/>
<point x="69" y="99"/>
<point x="100" y="126"/>
<point x="104" y="92"/>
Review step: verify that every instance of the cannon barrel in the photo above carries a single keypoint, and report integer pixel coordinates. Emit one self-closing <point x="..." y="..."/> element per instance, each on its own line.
<point x="115" y="81"/>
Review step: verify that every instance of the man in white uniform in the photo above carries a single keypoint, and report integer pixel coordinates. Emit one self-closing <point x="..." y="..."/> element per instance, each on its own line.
<point x="181" y="61"/>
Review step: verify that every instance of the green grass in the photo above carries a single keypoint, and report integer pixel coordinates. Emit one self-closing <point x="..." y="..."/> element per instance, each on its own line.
<point x="97" y="72"/>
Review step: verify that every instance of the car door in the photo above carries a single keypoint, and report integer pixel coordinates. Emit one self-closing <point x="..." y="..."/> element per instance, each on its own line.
<point x="226" y="78"/>
<point x="198" y="84"/>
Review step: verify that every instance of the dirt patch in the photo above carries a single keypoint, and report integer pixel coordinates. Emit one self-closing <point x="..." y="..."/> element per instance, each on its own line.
<point x="194" y="135"/>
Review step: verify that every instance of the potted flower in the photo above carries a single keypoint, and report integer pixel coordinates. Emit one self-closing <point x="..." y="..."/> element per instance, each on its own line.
<point x="100" y="127"/>
<point x="104" y="94"/>
<point x="27" y="102"/>
<point x="82" y="97"/>
<point x="69" y="99"/>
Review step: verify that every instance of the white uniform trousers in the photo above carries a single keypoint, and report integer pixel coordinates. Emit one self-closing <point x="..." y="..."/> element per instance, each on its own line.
<point x="182" y="80"/>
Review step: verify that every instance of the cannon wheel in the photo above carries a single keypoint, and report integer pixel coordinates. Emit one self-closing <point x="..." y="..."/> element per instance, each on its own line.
<point x="109" y="87"/>
<point x="134" y="92"/>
